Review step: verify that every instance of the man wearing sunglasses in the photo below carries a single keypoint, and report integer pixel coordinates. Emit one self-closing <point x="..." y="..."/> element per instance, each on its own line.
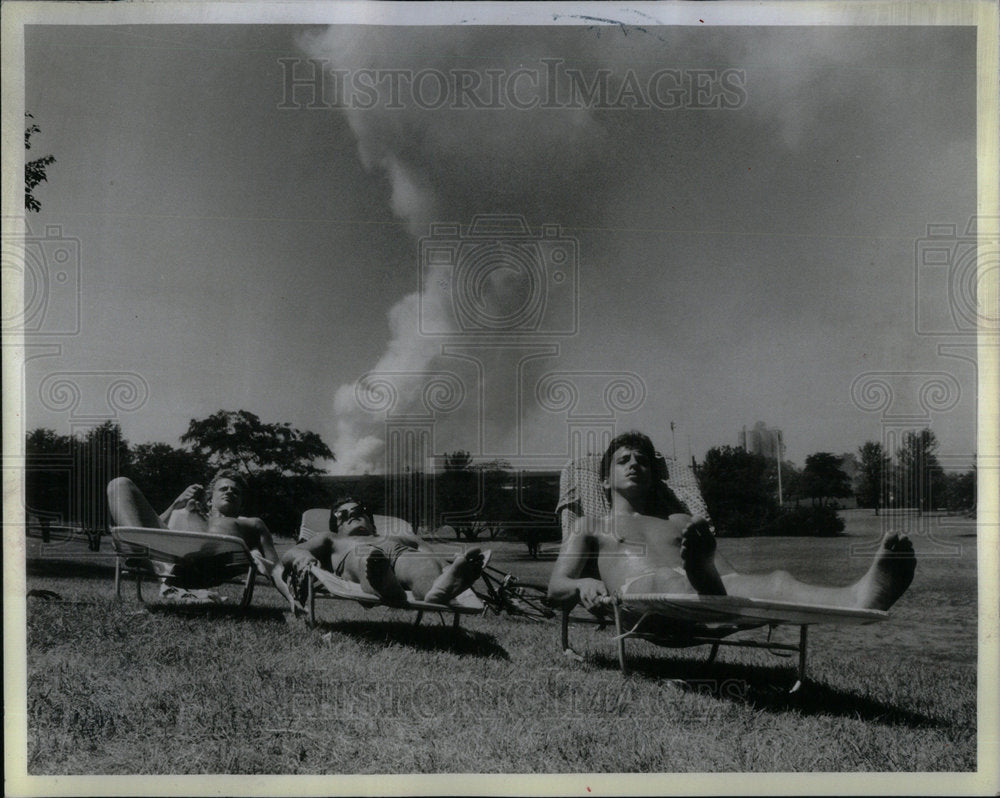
<point x="386" y="565"/>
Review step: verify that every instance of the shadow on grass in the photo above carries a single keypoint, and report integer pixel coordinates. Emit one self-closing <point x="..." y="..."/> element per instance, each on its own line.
<point x="213" y="610"/>
<point x="94" y="567"/>
<point x="424" y="637"/>
<point x="767" y="688"/>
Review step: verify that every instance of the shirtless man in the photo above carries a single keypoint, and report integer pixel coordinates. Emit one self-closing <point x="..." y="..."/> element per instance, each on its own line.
<point x="386" y="565"/>
<point x="639" y="552"/>
<point x="221" y="517"/>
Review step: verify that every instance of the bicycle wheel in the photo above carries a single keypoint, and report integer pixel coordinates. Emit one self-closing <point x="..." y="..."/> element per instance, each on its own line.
<point x="527" y="600"/>
<point x="492" y="595"/>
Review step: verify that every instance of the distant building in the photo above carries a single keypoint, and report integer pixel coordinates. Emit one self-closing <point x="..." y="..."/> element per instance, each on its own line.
<point x="762" y="440"/>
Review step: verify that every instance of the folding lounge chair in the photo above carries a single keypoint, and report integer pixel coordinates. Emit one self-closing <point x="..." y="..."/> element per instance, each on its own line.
<point x="698" y="620"/>
<point x="325" y="585"/>
<point x="187" y="559"/>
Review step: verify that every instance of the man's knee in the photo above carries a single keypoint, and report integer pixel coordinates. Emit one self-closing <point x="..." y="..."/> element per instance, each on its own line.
<point x="119" y="485"/>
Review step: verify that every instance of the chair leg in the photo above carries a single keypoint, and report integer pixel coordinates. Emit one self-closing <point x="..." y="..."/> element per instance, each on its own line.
<point x="311" y="599"/>
<point x="620" y="640"/>
<point x="118" y="578"/>
<point x="456" y="621"/>
<point x="419" y="618"/>
<point x="713" y="653"/>
<point x="248" y="587"/>
<point x="803" y="643"/>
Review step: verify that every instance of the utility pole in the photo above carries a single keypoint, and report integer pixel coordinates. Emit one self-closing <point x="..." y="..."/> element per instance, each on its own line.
<point x="781" y="451"/>
<point x="673" y="440"/>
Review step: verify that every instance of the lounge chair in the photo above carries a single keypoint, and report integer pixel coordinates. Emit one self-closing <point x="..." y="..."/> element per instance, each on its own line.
<point x="325" y="585"/>
<point x="189" y="560"/>
<point x="698" y="620"/>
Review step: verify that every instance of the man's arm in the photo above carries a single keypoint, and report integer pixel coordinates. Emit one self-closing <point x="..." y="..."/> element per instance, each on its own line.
<point x="190" y="492"/>
<point x="565" y="585"/>
<point x="271" y="563"/>
<point x="315" y="550"/>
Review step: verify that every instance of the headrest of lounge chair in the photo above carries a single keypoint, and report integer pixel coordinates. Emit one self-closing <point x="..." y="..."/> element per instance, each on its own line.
<point x="581" y="492"/>
<point x="317" y="521"/>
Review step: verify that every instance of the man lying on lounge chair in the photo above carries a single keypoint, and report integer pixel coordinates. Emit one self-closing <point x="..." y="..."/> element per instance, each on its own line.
<point x="386" y="565"/>
<point x="219" y="517"/>
<point x="640" y="546"/>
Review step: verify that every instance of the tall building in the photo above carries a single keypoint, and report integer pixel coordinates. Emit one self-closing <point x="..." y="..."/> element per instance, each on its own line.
<point x="762" y="440"/>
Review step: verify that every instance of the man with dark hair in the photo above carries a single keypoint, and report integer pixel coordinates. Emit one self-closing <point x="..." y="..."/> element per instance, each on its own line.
<point x="219" y="516"/>
<point x="638" y="548"/>
<point x="386" y="565"/>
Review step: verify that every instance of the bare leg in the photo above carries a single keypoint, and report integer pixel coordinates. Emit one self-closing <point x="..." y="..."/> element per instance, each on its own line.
<point x="129" y="507"/>
<point x="456" y="577"/>
<point x="417" y="571"/>
<point x="370" y="567"/>
<point x="187" y="521"/>
<point x="886" y="580"/>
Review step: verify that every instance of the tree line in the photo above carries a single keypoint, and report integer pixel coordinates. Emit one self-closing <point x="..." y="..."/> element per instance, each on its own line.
<point x="66" y="475"/>
<point x="741" y="489"/>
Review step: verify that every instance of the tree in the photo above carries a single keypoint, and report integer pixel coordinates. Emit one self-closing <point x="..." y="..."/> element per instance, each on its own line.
<point x="735" y="485"/>
<point x="101" y="455"/>
<point x="162" y="471"/>
<point x="34" y="171"/>
<point x="921" y="478"/>
<point x="823" y="479"/>
<point x="238" y="439"/>
<point x="48" y="474"/>
<point x="791" y="477"/>
<point x="459" y="460"/>
<point x="960" y="492"/>
<point x="873" y="473"/>
<point x="278" y="461"/>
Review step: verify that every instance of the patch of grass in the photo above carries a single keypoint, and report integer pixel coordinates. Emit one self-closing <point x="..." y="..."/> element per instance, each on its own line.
<point x="114" y="688"/>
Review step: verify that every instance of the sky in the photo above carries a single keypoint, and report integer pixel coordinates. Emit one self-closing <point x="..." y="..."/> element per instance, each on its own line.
<point x="239" y="250"/>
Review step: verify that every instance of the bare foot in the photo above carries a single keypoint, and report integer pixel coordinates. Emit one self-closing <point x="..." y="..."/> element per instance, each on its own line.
<point x="890" y="574"/>
<point x="698" y="556"/>
<point x="380" y="578"/>
<point x="456" y="577"/>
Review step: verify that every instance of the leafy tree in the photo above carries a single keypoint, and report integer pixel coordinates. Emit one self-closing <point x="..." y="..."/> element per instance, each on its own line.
<point x="34" y="171"/>
<point x="100" y="455"/>
<point x="791" y="479"/>
<point x="872" y="477"/>
<point x="48" y="474"/>
<point x="278" y="461"/>
<point x="735" y="485"/>
<point x="240" y="440"/>
<point x="823" y="479"/>
<point x="162" y="471"/>
<point x="960" y="491"/>
<point x="921" y="477"/>
<point x="460" y="460"/>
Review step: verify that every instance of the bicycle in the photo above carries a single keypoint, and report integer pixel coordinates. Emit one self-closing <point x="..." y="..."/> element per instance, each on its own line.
<point x="504" y="592"/>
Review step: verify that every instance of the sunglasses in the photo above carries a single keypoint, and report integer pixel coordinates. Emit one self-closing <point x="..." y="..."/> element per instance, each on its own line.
<point x="346" y="514"/>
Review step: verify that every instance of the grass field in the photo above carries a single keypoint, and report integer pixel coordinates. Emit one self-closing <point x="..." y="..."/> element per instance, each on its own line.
<point x="113" y="688"/>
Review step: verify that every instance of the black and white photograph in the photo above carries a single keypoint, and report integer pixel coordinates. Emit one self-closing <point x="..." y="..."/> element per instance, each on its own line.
<point x="457" y="398"/>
